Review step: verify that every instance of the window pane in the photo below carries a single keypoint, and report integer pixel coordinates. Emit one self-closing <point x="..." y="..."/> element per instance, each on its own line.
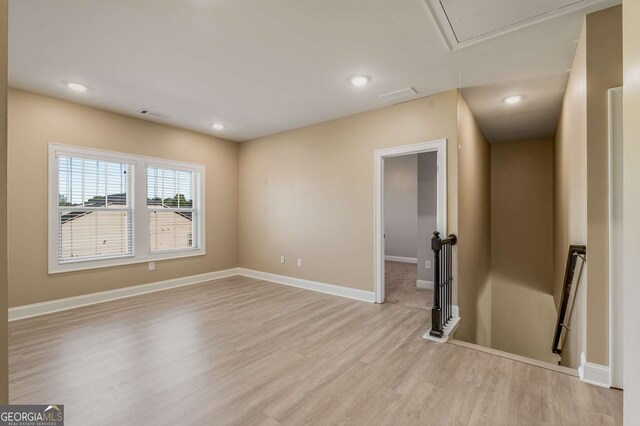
<point x="170" y="188"/>
<point x="94" y="209"/>
<point x="170" y="230"/>
<point x="94" y="234"/>
<point x="171" y="198"/>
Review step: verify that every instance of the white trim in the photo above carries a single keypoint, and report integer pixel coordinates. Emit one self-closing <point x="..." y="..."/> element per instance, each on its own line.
<point x="448" y="330"/>
<point x="36" y="309"/>
<point x="595" y="374"/>
<point x="616" y="232"/>
<point x="441" y="20"/>
<point x="401" y="259"/>
<point x="439" y="146"/>
<point x="336" y="290"/>
<point x="141" y="252"/>
<point x="424" y="284"/>
<point x="44" y="308"/>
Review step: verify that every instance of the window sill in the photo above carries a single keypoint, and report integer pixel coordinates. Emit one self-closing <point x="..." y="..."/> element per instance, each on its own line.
<point x="55" y="268"/>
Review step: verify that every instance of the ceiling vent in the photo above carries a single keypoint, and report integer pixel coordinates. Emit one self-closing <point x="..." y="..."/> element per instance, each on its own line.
<point x="466" y="22"/>
<point x="154" y="114"/>
<point x="399" y="95"/>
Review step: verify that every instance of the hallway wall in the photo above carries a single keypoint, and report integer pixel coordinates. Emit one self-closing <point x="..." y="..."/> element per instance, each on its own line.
<point x="523" y="313"/>
<point x="474" y="237"/>
<point x="427" y="211"/>
<point x="401" y="206"/>
<point x="604" y="71"/>
<point x="581" y="198"/>
<point x="570" y="196"/>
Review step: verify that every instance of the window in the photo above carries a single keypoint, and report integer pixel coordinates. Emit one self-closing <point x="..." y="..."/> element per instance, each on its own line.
<point x="170" y="201"/>
<point x="95" y="216"/>
<point x="100" y="215"/>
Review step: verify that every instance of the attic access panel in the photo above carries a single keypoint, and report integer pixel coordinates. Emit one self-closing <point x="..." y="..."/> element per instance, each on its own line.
<point x="464" y="22"/>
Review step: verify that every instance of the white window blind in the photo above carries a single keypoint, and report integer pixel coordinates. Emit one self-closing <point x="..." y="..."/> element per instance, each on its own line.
<point x="173" y="208"/>
<point x="95" y="212"/>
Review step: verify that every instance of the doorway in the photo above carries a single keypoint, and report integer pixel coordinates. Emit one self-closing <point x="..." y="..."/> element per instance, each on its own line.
<point x="410" y="193"/>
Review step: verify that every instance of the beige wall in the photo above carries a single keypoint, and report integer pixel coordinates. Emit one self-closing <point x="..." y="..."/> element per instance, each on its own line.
<point x="35" y="120"/>
<point x="309" y="192"/>
<point x="523" y="312"/>
<point x="631" y="211"/>
<point x="474" y="224"/>
<point x="4" y="350"/>
<point x="570" y="194"/>
<point x="581" y="197"/>
<point x="604" y="71"/>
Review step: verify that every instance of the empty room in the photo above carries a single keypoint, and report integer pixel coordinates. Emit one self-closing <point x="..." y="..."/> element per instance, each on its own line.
<point x="415" y="212"/>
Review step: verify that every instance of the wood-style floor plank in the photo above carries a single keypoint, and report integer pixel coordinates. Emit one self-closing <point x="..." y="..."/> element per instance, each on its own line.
<point x="240" y="351"/>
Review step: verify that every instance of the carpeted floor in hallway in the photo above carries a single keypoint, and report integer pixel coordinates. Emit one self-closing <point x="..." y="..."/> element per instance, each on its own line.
<point x="401" y="289"/>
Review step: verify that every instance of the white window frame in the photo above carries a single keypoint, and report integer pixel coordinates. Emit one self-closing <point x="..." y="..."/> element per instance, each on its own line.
<point x="141" y="237"/>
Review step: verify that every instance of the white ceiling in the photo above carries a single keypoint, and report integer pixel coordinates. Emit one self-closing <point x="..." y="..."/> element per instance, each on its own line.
<point x="262" y="67"/>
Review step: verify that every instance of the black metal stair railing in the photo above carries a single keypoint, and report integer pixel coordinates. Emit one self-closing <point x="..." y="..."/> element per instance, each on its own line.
<point x="442" y="311"/>
<point x="568" y="295"/>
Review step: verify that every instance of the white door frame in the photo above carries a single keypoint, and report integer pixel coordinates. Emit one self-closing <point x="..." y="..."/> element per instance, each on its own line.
<point x="439" y="146"/>
<point x="615" y="237"/>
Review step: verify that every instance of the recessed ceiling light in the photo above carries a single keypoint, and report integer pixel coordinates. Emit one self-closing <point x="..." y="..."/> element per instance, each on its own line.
<point x="360" y="80"/>
<point x="218" y="126"/>
<point x="77" y="87"/>
<point x="513" y="99"/>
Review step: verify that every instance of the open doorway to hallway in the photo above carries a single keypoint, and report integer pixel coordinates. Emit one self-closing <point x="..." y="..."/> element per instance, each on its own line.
<point x="435" y="154"/>
<point x="410" y="217"/>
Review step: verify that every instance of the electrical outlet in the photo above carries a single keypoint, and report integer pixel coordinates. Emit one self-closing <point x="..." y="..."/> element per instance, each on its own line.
<point x="281" y="259"/>
<point x="427" y="264"/>
<point x="299" y="261"/>
<point x="152" y="266"/>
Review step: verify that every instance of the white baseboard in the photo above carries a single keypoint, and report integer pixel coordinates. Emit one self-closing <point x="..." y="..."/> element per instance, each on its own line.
<point x="595" y="374"/>
<point x="401" y="259"/>
<point x="336" y="290"/>
<point x="36" y="309"/>
<point x="424" y="284"/>
<point x="448" y="331"/>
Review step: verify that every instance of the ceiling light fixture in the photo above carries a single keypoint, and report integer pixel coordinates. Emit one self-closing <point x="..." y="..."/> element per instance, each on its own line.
<point x="513" y="99"/>
<point x="218" y="126"/>
<point x="360" y="80"/>
<point x="77" y="87"/>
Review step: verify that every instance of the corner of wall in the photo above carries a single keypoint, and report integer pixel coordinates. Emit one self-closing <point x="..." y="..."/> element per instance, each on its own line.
<point x="474" y="229"/>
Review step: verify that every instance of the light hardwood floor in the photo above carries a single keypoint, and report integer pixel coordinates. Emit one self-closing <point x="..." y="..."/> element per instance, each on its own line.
<point x="243" y="351"/>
